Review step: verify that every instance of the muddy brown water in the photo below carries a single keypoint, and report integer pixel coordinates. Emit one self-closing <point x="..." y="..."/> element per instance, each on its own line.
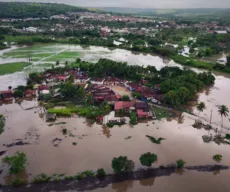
<point x="51" y="152"/>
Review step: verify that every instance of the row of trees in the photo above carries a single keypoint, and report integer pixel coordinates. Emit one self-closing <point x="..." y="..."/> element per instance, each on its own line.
<point x="123" y="164"/>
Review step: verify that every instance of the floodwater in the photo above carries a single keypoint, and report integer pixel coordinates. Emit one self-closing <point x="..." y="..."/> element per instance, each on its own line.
<point x="49" y="151"/>
<point x="188" y="181"/>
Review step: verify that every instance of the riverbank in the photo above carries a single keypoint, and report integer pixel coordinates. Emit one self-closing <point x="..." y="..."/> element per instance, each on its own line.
<point x="92" y="183"/>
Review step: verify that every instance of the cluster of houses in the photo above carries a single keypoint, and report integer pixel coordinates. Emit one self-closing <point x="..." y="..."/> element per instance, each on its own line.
<point x="142" y="109"/>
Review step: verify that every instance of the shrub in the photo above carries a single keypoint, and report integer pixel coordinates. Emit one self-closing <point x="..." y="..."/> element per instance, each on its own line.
<point x="180" y="163"/>
<point x="101" y="172"/>
<point x="227" y="136"/>
<point x="122" y="164"/>
<point x="217" y="158"/>
<point x="133" y="118"/>
<point x="42" y="178"/>
<point x="79" y="176"/>
<point x="16" y="162"/>
<point x="88" y="173"/>
<point x="110" y="125"/>
<point x="18" y="182"/>
<point x="68" y="178"/>
<point x="147" y="159"/>
<point x="64" y="131"/>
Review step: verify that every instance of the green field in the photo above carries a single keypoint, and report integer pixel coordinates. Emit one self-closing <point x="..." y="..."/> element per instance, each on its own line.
<point x="63" y="56"/>
<point x="12" y="67"/>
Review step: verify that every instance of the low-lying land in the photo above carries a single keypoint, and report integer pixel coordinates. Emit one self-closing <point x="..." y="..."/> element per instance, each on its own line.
<point x="12" y="67"/>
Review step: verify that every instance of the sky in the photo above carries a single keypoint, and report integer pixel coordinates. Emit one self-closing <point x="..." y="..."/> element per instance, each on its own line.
<point x="142" y="3"/>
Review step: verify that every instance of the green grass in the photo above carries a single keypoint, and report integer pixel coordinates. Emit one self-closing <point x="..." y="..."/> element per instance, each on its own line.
<point x="62" y="112"/>
<point x="12" y="67"/>
<point x="160" y="113"/>
<point x="64" y="55"/>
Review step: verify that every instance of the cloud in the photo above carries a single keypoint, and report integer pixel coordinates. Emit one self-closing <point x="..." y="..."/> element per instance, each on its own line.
<point x="143" y="3"/>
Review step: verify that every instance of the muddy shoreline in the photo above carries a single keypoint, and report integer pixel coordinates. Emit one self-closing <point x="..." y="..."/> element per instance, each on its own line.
<point x="91" y="183"/>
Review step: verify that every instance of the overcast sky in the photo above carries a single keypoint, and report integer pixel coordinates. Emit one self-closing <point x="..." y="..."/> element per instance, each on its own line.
<point x="142" y="3"/>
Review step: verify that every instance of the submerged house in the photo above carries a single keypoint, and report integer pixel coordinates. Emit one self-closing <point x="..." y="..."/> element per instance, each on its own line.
<point x="6" y="95"/>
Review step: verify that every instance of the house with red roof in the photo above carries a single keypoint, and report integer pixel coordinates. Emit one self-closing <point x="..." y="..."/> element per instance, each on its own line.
<point x="6" y="95"/>
<point x="124" y="105"/>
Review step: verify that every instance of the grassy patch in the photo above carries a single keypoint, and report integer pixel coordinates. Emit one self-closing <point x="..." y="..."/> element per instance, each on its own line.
<point x="12" y="67"/>
<point x="160" y="113"/>
<point x="66" y="112"/>
<point x="154" y="140"/>
<point x="64" y="55"/>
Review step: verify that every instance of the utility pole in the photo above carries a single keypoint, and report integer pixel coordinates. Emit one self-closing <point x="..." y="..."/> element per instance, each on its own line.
<point x="211" y="118"/>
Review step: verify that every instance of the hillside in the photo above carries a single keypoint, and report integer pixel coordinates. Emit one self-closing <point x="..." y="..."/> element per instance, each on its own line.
<point x="152" y="11"/>
<point x="23" y="10"/>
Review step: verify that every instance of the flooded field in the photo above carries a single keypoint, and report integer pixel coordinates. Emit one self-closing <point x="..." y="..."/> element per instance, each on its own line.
<point x="44" y="56"/>
<point x="49" y="151"/>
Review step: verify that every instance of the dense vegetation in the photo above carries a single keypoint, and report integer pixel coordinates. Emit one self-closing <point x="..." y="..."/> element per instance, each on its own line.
<point x="122" y="164"/>
<point x="16" y="162"/>
<point x="147" y="159"/>
<point x="24" y="10"/>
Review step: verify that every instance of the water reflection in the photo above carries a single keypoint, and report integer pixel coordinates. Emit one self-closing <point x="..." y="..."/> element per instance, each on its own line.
<point x="147" y="182"/>
<point x="106" y="132"/>
<point x="123" y="186"/>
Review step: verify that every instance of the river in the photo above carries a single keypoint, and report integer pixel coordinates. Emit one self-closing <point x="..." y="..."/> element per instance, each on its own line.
<point x="49" y="151"/>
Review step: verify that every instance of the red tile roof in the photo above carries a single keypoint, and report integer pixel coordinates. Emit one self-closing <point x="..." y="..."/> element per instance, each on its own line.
<point x="123" y="105"/>
<point x="141" y="113"/>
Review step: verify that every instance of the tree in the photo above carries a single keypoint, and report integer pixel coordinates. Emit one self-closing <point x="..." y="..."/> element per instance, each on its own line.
<point x="125" y="98"/>
<point x="180" y="163"/>
<point x="122" y="164"/>
<point x="147" y="159"/>
<point x="200" y="107"/>
<point x="66" y="63"/>
<point x="89" y="99"/>
<point x="57" y="62"/>
<point x="70" y="91"/>
<point x="217" y="158"/>
<point x="101" y="172"/>
<point x="223" y="111"/>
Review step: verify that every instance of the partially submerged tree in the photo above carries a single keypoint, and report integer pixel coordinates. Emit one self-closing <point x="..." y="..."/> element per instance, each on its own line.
<point x="122" y="164"/>
<point x="217" y="158"/>
<point x="223" y="111"/>
<point x="200" y="107"/>
<point x="180" y="163"/>
<point x="147" y="159"/>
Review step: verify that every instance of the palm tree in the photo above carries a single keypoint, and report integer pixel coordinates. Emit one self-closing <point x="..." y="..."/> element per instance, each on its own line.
<point x="200" y="107"/>
<point x="223" y="111"/>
